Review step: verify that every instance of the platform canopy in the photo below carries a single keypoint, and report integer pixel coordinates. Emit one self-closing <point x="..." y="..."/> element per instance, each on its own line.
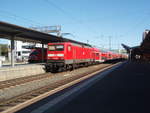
<point x="8" y="31"/>
<point x="15" y="32"/>
<point x="143" y="49"/>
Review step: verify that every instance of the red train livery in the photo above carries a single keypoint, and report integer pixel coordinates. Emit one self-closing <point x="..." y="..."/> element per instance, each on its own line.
<point x="67" y="55"/>
<point x="36" y="55"/>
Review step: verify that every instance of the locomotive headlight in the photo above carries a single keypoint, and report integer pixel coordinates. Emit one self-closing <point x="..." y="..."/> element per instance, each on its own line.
<point x="50" y="55"/>
<point x="60" y="55"/>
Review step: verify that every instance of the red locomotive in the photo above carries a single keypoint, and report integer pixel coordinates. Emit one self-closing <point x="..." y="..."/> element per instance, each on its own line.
<point x="67" y="55"/>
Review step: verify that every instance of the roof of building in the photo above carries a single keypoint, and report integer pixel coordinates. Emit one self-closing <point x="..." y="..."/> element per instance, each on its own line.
<point x="144" y="47"/>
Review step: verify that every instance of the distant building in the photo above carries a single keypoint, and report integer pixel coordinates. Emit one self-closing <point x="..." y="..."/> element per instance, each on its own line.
<point x="21" y="51"/>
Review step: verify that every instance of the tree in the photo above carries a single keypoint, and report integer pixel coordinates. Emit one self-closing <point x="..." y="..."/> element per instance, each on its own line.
<point x="3" y="50"/>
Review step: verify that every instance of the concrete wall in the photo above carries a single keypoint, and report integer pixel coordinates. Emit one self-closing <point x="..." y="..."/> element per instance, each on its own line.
<point x="7" y="73"/>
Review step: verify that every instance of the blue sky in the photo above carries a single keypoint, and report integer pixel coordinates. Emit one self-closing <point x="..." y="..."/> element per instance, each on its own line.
<point x="94" y="20"/>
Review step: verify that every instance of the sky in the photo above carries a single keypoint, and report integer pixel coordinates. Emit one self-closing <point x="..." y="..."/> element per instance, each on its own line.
<point x="98" y="21"/>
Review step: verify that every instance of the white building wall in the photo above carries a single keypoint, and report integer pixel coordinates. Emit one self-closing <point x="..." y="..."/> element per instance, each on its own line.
<point x="21" y="54"/>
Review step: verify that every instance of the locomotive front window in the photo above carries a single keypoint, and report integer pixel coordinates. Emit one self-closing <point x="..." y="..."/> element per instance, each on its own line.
<point x="56" y="48"/>
<point x="51" y="48"/>
<point x="59" y="47"/>
<point x="97" y="54"/>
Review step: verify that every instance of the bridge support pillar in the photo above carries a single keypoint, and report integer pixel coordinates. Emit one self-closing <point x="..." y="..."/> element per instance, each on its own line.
<point x="43" y="53"/>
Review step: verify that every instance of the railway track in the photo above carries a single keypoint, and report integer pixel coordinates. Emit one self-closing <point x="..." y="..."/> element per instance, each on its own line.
<point x="17" y="81"/>
<point x="21" y="101"/>
<point x="13" y="82"/>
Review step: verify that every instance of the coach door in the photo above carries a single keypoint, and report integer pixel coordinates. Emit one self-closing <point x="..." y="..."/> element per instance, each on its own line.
<point x="69" y="54"/>
<point x="74" y="54"/>
<point x="93" y="56"/>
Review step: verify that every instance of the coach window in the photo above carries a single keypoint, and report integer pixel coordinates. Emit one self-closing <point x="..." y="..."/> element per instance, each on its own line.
<point x="51" y="48"/>
<point x="97" y="54"/>
<point x="35" y="53"/>
<point x="69" y="48"/>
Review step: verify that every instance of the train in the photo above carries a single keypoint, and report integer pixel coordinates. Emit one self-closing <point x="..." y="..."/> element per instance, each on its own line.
<point x="69" y="55"/>
<point x="36" y="55"/>
<point x="62" y="56"/>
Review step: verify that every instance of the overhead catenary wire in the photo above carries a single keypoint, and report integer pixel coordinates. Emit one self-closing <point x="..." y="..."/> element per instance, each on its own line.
<point x="62" y="11"/>
<point x="68" y="15"/>
<point x="14" y="16"/>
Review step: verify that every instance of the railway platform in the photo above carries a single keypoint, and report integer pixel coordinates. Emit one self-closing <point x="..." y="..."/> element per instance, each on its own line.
<point x="125" y="90"/>
<point x="20" y="70"/>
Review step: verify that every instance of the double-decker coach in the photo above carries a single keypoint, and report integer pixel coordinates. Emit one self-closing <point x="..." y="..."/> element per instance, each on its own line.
<point x="97" y="55"/>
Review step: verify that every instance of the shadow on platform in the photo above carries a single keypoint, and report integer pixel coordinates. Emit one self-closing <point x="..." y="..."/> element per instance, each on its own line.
<point x="125" y="90"/>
